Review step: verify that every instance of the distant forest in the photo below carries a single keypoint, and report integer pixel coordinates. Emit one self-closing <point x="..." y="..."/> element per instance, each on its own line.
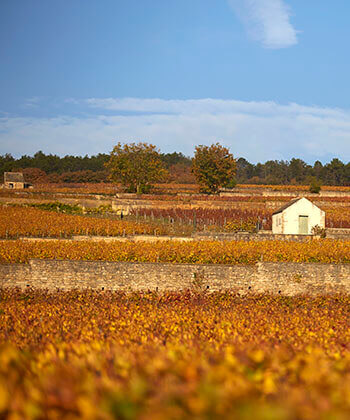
<point x="52" y="168"/>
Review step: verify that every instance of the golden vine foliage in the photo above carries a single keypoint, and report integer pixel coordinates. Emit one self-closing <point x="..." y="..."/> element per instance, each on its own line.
<point x="337" y="216"/>
<point x="109" y="188"/>
<point x="103" y="356"/>
<point x="197" y="252"/>
<point x="27" y="221"/>
<point x="16" y="221"/>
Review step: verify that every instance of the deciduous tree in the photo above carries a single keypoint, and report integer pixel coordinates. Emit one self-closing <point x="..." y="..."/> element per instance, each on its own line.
<point x="214" y="167"/>
<point x="136" y="166"/>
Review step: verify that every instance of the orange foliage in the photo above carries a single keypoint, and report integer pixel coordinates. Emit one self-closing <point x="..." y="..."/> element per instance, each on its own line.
<point x="200" y="252"/>
<point x="104" y="356"/>
<point x="27" y="221"/>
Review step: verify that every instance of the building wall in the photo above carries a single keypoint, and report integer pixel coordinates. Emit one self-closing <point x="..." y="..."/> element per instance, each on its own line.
<point x="274" y="278"/>
<point x="287" y="222"/>
<point x="277" y="227"/>
<point x="15" y="185"/>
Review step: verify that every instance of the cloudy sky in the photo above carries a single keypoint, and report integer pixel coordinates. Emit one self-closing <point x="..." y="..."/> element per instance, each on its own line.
<point x="267" y="78"/>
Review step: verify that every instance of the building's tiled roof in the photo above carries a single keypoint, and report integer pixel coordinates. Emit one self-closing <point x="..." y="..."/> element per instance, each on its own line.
<point x="13" y="177"/>
<point x="286" y="206"/>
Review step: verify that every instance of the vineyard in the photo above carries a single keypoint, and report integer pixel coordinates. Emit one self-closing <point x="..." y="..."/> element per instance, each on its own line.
<point x="27" y="221"/>
<point x="150" y="356"/>
<point x="170" y="189"/>
<point x="103" y="356"/>
<point x="235" y="218"/>
<point x="200" y="252"/>
<point x="17" y="221"/>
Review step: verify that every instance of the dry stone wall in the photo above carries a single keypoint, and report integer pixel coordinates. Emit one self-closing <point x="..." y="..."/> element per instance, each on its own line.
<point x="247" y="236"/>
<point x="273" y="278"/>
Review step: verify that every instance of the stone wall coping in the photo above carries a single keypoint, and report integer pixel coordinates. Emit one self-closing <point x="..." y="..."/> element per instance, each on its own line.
<point x="170" y="264"/>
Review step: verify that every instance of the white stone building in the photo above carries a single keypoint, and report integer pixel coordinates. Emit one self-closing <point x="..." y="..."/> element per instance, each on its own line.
<point x="297" y="218"/>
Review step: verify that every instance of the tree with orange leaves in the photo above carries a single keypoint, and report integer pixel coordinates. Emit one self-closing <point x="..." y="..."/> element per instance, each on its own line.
<point x="136" y="166"/>
<point x="214" y="167"/>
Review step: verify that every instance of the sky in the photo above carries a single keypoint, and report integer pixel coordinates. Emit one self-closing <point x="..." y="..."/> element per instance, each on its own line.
<point x="267" y="78"/>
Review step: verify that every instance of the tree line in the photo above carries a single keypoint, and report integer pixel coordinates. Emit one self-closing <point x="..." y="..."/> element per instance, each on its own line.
<point x="179" y="168"/>
<point x="293" y="172"/>
<point x="43" y="167"/>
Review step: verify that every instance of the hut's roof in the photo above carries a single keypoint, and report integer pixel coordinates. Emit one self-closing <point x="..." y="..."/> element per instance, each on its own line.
<point x="286" y="206"/>
<point x="13" y="177"/>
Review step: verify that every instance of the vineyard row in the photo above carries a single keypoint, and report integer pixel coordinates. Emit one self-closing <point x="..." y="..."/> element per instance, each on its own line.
<point x="201" y="252"/>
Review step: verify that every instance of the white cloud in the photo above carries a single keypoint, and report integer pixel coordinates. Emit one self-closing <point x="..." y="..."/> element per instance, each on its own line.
<point x="206" y="106"/>
<point x="32" y="102"/>
<point x="258" y="131"/>
<point x="267" y="21"/>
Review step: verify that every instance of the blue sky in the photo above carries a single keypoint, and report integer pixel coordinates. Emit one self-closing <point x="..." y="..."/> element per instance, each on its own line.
<point x="267" y="78"/>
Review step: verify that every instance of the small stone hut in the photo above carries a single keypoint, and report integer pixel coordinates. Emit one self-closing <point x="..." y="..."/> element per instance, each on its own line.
<point x="15" y="180"/>
<point x="298" y="217"/>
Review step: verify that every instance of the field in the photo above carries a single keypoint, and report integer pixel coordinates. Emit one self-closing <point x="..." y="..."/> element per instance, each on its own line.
<point x="172" y="188"/>
<point x="238" y="217"/>
<point x="33" y="222"/>
<point x="106" y="356"/>
<point x="20" y="221"/>
<point x="196" y="252"/>
<point x="176" y="355"/>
